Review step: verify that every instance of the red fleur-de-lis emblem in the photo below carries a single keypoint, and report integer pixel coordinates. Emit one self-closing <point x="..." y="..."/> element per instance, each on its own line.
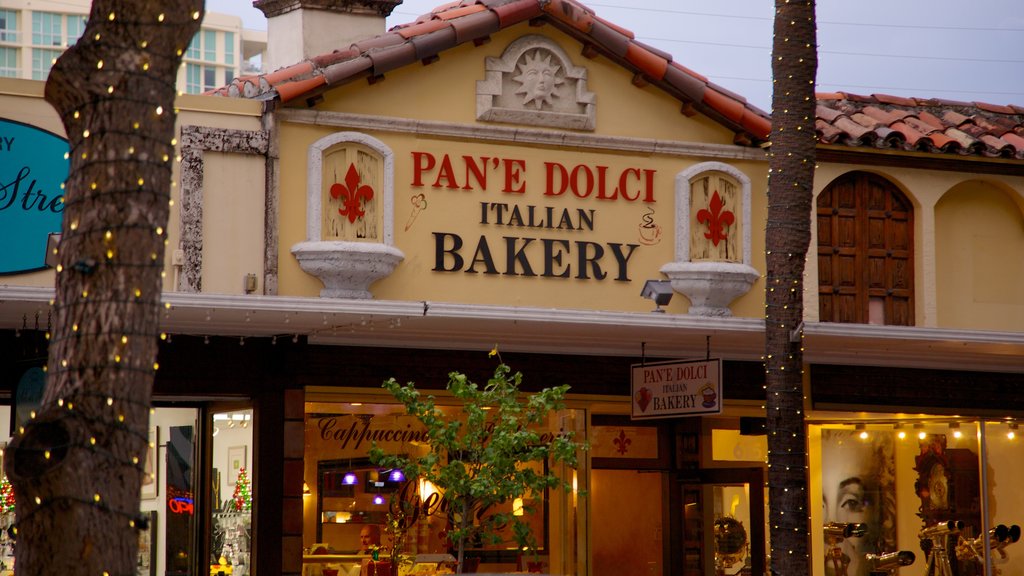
<point x="716" y="219"/>
<point x="354" y="194"/>
<point x="622" y="443"/>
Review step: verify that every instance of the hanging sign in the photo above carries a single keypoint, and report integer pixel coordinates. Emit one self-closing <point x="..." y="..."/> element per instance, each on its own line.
<point x="678" y="388"/>
<point x="33" y="168"/>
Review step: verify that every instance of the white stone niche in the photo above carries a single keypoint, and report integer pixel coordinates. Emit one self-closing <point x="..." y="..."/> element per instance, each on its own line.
<point x="348" y="254"/>
<point x="712" y="269"/>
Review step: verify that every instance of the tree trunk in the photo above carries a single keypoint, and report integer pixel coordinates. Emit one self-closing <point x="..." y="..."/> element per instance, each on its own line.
<point x="787" y="237"/>
<point x="77" y="467"/>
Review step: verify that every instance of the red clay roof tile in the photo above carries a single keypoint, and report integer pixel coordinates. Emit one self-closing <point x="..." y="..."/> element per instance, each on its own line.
<point x="880" y="120"/>
<point x="474" y="26"/>
<point x="289" y="90"/>
<point x="517" y="11"/>
<point x="932" y="125"/>
<point x="648" y="62"/>
<point x="723" y="104"/>
<point x="424" y="27"/>
<point x="460" y="12"/>
<point x="610" y="39"/>
<point x="571" y="13"/>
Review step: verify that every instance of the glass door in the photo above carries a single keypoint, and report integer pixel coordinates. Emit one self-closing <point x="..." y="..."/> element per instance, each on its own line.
<point x="723" y="523"/>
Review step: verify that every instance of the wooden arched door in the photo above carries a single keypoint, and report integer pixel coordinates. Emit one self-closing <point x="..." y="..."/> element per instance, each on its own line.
<point x="865" y="252"/>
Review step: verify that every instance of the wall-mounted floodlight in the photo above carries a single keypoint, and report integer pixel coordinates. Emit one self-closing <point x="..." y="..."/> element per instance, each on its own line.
<point x="658" y="290"/>
<point x="52" y="241"/>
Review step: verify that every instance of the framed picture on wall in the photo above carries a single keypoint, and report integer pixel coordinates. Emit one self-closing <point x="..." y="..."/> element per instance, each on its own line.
<point x="236" y="461"/>
<point x="151" y="477"/>
<point x="146" y="563"/>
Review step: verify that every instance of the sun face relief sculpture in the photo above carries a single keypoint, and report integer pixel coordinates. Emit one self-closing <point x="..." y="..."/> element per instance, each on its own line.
<point x="537" y="79"/>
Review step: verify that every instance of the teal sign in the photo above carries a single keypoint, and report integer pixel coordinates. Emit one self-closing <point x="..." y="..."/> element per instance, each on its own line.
<point x="33" y="168"/>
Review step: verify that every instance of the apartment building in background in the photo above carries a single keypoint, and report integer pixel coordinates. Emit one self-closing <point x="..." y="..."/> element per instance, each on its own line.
<point x="33" y="33"/>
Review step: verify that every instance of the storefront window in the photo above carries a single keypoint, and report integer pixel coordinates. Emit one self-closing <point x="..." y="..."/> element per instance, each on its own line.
<point x="924" y="494"/>
<point x="231" y="481"/>
<point x="349" y="499"/>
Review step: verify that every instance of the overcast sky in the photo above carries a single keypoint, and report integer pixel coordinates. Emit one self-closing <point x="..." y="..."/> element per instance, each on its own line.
<point x="949" y="49"/>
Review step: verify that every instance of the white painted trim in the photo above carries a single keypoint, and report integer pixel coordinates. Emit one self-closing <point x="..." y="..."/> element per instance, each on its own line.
<point x="314" y="182"/>
<point x="527" y="136"/>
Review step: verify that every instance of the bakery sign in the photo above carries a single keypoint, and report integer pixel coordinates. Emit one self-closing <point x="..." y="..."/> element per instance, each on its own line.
<point x="679" y="388"/>
<point x="33" y="167"/>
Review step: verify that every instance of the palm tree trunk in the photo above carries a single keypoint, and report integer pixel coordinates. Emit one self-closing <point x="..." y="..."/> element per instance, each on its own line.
<point x="787" y="236"/>
<point x="77" y="468"/>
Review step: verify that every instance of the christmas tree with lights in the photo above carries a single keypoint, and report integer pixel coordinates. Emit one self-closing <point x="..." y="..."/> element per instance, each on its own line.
<point x="242" y="496"/>
<point x="6" y="495"/>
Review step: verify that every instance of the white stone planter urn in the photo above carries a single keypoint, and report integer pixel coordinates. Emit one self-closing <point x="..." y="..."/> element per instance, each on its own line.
<point x="347" y="269"/>
<point x="710" y="286"/>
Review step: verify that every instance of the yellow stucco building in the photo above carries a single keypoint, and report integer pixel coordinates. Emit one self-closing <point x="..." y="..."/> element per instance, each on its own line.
<point x="526" y="175"/>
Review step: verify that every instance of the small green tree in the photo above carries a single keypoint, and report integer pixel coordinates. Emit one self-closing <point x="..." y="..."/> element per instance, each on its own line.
<point x="484" y="460"/>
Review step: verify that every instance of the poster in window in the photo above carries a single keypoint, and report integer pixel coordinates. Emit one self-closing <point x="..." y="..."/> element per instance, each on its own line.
<point x="236" y="461"/>
<point x="150" y="485"/>
<point x="146" y="563"/>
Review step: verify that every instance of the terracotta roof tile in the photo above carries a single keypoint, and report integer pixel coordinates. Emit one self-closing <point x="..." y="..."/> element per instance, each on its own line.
<point x="387" y="59"/>
<point x="475" y="26"/>
<point x="516" y="11"/>
<point x="932" y="125"/>
<point x="289" y="90"/>
<point x="723" y="104"/>
<point x="573" y="14"/>
<point x="690" y="87"/>
<point x="883" y="121"/>
<point x="430" y="45"/>
<point x="624" y="31"/>
<point x="610" y="39"/>
<point x="425" y="27"/>
<point x="460" y="12"/>
<point x="648" y="62"/>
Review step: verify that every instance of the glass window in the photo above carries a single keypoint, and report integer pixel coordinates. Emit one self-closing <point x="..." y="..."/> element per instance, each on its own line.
<point x="907" y="483"/>
<point x="192" y="79"/>
<point x="9" y="62"/>
<point x="229" y="48"/>
<point x="209" y="78"/>
<point x="76" y="25"/>
<point x="228" y="76"/>
<point x="46" y="29"/>
<point x="42" y="61"/>
<point x="193" y="48"/>
<point x="349" y="499"/>
<point x="231" y="528"/>
<point x="8" y="26"/>
<point x="209" y="45"/>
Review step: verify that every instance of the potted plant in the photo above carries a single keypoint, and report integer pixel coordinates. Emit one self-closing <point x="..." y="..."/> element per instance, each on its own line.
<point x="484" y="461"/>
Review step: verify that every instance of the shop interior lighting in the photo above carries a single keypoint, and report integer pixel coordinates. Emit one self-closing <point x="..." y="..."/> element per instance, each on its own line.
<point x="954" y="427"/>
<point x="396" y="475"/>
<point x="378" y="499"/>
<point x="862" y="431"/>
<point x="1012" y="432"/>
<point x="660" y="291"/>
<point x="900" y="432"/>
<point x="921" y="434"/>
<point x="350" y="479"/>
<point x="305" y="489"/>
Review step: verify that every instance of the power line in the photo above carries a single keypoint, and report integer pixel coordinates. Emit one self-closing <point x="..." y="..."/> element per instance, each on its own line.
<point x="819" y="22"/>
<point x="836" y="52"/>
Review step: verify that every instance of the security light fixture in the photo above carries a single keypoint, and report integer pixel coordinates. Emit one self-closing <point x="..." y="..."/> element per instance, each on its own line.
<point x="660" y="291"/>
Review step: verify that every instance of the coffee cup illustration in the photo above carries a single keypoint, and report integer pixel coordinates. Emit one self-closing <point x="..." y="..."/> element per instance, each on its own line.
<point x="710" y="396"/>
<point x="650" y="231"/>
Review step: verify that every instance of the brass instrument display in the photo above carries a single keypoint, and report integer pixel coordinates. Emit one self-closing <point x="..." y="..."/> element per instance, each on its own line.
<point x="835" y="533"/>
<point x="997" y="539"/>
<point x="933" y="542"/>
